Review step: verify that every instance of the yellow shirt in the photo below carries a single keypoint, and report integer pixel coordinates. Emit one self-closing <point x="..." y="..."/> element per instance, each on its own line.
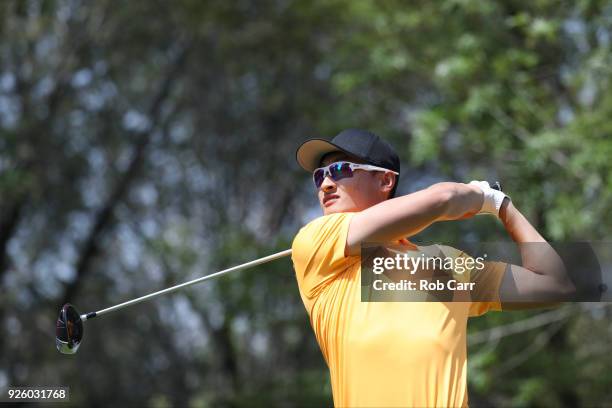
<point x="381" y="353"/>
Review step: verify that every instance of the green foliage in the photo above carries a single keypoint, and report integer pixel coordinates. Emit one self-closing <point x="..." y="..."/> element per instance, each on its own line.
<point x="165" y="135"/>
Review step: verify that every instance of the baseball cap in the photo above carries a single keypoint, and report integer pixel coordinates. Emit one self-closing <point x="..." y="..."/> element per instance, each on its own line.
<point x="359" y="143"/>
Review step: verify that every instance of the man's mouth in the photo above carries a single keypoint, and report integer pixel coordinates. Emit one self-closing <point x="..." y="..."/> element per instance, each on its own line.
<point x="330" y="199"/>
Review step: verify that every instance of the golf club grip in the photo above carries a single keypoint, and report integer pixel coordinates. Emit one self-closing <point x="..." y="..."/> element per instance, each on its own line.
<point x="496" y="185"/>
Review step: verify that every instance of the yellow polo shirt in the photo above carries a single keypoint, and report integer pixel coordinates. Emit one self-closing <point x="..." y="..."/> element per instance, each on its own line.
<point x="381" y="353"/>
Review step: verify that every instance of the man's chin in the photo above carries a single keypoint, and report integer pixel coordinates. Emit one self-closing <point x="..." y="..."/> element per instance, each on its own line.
<point x="331" y="208"/>
<point x="334" y="207"/>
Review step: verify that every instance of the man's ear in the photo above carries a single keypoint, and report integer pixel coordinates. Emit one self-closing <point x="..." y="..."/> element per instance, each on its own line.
<point x="387" y="182"/>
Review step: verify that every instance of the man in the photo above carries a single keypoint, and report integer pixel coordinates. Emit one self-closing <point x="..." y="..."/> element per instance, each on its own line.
<point x="397" y="353"/>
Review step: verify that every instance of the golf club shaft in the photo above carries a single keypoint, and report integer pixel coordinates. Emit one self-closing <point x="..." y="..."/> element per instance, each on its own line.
<point x="91" y="315"/>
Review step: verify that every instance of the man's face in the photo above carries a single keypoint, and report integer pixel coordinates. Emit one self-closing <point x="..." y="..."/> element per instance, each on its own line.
<point x="351" y="194"/>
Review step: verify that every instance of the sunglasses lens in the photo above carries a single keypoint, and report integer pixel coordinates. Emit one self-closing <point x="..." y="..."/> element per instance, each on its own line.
<point x="337" y="172"/>
<point x="318" y="177"/>
<point x="340" y="170"/>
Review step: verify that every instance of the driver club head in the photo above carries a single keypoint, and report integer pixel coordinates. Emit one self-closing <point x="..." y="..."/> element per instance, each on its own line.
<point x="68" y="330"/>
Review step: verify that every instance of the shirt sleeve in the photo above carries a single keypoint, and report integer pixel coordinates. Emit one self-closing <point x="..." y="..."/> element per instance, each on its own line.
<point x="318" y="253"/>
<point x="487" y="281"/>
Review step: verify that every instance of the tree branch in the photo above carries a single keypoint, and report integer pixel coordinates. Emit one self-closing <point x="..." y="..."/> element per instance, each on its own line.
<point x="104" y="217"/>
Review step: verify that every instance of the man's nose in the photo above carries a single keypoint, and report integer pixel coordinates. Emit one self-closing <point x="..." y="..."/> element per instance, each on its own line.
<point x="328" y="185"/>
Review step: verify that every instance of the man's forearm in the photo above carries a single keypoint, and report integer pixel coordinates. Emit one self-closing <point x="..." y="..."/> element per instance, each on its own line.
<point x="537" y="255"/>
<point x="407" y="215"/>
<point x="517" y="226"/>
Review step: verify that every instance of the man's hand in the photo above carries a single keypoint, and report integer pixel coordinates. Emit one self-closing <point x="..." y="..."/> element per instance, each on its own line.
<point x="493" y="199"/>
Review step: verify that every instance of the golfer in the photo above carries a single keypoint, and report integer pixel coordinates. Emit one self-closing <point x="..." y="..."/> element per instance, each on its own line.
<point x="386" y="354"/>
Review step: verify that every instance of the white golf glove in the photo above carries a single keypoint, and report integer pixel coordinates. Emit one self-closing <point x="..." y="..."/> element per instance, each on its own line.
<point x="493" y="199"/>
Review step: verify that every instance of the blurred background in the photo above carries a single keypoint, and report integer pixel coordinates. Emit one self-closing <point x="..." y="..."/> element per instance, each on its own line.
<point x="146" y="143"/>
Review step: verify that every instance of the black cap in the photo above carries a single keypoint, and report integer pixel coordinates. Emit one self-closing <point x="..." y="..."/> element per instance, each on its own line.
<point x="355" y="142"/>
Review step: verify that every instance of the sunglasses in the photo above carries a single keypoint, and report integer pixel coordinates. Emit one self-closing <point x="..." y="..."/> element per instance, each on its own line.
<point x="339" y="170"/>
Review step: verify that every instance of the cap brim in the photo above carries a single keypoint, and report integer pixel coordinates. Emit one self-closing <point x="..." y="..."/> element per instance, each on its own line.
<point x="309" y="154"/>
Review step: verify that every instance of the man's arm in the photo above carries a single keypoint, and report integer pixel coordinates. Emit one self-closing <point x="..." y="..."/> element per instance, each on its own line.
<point x="407" y="215"/>
<point x="542" y="276"/>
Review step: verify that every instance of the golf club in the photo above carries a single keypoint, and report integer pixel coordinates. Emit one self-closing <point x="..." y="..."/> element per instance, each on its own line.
<point x="69" y="327"/>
